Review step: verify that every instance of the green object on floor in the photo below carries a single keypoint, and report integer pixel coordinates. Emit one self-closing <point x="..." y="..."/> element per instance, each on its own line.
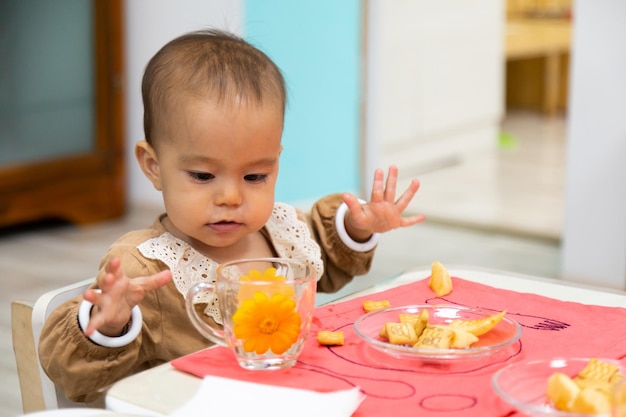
<point x="507" y="141"/>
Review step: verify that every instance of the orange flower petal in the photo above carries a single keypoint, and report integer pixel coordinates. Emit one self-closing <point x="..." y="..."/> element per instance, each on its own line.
<point x="265" y="323"/>
<point x="281" y="341"/>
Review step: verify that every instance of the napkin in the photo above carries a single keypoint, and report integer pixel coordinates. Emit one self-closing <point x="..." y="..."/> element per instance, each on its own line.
<point x="224" y="396"/>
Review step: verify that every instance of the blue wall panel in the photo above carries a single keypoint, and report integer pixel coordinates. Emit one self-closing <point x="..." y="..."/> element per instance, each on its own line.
<point x="317" y="44"/>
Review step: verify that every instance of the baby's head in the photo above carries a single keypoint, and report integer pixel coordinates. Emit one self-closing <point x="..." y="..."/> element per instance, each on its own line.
<point x="208" y="64"/>
<point x="214" y="111"/>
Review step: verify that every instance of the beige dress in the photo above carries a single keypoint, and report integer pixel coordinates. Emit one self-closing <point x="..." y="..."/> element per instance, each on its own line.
<point x="83" y="369"/>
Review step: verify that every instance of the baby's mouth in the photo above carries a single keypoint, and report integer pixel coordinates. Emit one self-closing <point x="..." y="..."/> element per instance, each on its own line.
<point x="224" y="226"/>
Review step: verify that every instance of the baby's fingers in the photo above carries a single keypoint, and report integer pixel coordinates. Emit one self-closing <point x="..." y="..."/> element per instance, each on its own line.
<point x="408" y="195"/>
<point x="95" y="322"/>
<point x="391" y="184"/>
<point x="91" y="295"/>
<point x="378" y="189"/>
<point x="156" y="281"/>
<point x="412" y="220"/>
<point x="97" y="318"/>
<point x="140" y="286"/>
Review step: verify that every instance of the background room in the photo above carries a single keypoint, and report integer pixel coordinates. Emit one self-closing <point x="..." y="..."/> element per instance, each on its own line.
<point x="510" y="114"/>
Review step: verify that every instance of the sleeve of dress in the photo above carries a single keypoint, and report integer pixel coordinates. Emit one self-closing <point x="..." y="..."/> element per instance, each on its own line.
<point x="340" y="262"/>
<point x="80" y="367"/>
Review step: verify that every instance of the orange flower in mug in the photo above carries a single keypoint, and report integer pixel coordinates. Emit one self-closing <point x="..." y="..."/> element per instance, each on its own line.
<point x="269" y="281"/>
<point x="267" y="323"/>
<point x="270" y="274"/>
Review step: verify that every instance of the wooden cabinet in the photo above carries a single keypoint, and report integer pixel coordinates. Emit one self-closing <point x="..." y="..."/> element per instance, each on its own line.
<point x="537" y="64"/>
<point x="86" y="185"/>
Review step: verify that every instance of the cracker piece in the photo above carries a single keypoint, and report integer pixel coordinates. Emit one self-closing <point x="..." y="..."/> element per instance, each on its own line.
<point x="598" y="370"/>
<point x="592" y="383"/>
<point x="616" y="378"/>
<point x="375" y="305"/>
<point x="328" y="338"/>
<point x="400" y="333"/>
<point x="561" y="391"/>
<point x="383" y="331"/>
<point x="418" y="321"/>
<point x="421" y="323"/>
<point x="408" y="318"/>
<point x="440" y="281"/>
<point x="462" y="339"/>
<point x="591" y="401"/>
<point x="435" y="337"/>
<point x="478" y="327"/>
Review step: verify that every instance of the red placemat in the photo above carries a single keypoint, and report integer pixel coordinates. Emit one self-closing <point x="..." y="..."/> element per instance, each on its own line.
<point x="400" y="387"/>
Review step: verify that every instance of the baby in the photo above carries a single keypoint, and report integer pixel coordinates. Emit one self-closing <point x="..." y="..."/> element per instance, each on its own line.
<point x="213" y="118"/>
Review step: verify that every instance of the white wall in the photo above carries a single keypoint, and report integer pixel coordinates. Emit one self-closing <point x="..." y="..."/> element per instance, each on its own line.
<point x="594" y="235"/>
<point x="435" y="81"/>
<point x="150" y="24"/>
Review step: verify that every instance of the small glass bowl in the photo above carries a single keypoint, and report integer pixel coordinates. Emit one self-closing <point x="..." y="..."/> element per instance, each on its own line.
<point x="524" y="384"/>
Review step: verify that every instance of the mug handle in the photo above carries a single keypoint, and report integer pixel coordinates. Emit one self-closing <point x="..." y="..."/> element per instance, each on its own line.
<point x="215" y="335"/>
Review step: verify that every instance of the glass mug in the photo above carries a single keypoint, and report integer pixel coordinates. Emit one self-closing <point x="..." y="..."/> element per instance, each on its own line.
<point x="266" y="307"/>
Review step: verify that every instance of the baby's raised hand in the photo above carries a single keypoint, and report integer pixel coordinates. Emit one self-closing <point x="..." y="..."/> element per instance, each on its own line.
<point x="118" y="295"/>
<point x="383" y="212"/>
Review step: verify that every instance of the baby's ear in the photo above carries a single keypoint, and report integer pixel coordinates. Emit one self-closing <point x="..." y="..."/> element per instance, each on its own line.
<point x="149" y="163"/>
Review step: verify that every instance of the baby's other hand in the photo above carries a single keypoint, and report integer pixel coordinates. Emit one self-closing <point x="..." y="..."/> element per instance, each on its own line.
<point x="118" y="295"/>
<point x="383" y="212"/>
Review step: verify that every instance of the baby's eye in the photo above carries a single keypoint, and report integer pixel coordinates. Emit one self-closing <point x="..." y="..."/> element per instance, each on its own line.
<point x="201" y="176"/>
<point x="255" y="178"/>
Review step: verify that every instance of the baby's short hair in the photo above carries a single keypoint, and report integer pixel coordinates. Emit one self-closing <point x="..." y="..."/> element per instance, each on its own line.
<point x="208" y="63"/>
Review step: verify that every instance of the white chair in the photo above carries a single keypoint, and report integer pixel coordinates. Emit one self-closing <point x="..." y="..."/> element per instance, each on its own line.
<point x="38" y="391"/>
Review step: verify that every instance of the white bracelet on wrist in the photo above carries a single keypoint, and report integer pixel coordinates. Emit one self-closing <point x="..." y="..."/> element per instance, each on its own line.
<point x="345" y="237"/>
<point x="84" y="313"/>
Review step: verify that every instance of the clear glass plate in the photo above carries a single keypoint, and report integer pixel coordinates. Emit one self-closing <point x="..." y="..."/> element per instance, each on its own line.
<point x="368" y="327"/>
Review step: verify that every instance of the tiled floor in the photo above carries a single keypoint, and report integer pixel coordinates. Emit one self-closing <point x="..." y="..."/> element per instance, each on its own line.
<point x="516" y="188"/>
<point x="499" y="210"/>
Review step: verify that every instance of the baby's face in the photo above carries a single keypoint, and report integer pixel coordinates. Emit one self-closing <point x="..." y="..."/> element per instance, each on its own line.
<point x="218" y="172"/>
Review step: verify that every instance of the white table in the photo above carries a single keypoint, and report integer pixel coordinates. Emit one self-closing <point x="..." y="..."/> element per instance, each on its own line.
<point x="161" y="390"/>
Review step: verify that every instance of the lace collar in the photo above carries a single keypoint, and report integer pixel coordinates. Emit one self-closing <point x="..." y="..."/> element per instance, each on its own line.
<point x="290" y="237"/>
